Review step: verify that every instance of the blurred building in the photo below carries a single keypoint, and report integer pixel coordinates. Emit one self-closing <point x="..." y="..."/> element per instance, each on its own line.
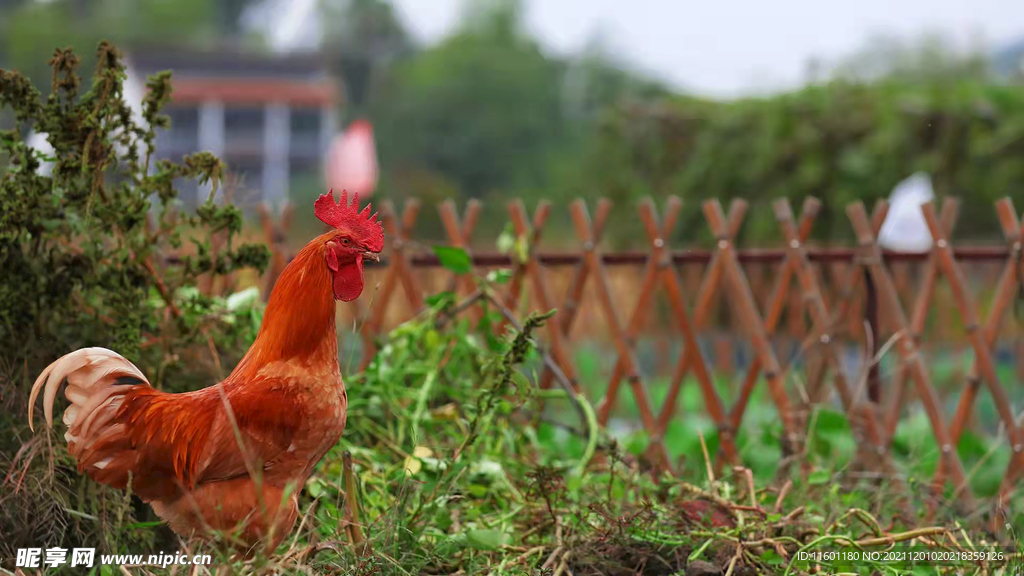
<point x="1008" y="62"/>
<point x="270" y="117"/>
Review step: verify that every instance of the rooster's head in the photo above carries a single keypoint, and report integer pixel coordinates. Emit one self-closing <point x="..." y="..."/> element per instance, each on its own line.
<point x="356" y="235"/>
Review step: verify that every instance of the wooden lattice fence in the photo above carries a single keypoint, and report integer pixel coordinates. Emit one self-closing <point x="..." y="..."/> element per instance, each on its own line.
<point x="824" y="298"/>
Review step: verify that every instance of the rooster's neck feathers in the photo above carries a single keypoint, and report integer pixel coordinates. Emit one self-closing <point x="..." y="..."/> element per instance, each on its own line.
<point x="299" y="322"/>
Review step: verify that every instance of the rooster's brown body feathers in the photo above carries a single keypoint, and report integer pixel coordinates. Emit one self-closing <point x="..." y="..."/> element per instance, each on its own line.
<point x="200" y="465"/>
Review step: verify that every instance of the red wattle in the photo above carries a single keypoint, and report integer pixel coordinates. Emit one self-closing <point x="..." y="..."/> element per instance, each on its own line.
<point x="348" y="280"/>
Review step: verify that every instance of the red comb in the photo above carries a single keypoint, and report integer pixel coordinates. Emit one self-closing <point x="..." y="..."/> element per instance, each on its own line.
<point x="336" y="214"/>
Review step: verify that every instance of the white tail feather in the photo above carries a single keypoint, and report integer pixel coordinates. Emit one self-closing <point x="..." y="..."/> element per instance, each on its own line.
<point x="95" y="395"/>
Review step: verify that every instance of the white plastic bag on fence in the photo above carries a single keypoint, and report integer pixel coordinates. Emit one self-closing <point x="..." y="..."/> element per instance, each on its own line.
<point x="904" y="228"/>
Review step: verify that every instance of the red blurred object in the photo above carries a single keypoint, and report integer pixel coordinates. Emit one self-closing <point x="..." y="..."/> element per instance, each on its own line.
<point x="351" y="162"/>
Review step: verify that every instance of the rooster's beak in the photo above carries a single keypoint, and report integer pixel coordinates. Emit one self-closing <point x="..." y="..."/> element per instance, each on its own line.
<point x="375" y="256"/>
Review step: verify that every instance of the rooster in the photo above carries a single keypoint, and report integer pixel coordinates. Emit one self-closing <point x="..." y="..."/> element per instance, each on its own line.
<point x="231" y="456"/>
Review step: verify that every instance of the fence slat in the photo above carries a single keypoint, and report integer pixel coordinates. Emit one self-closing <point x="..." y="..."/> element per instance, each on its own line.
<point x="923" y="303"/>
<point x="397" y="232"/>
<point x="581" y="221"/>
<point x="461" y="236"/>
<point x="531" y="234"/>
<point x="851" y="306"/>
<point x="703" y="307"/>
<point x="908" y="350"/>
<point x="633" y="327"/>
<point x="660" y="262"/>
<point x="571" y="304"/>
<point x="754" y="326"/>
<point x="533" y="269"/>
<point x="1002" y="301"/>
<point x="983" y="362"/>
<point x="874" y="445"/>
<point x="774" y="314"/>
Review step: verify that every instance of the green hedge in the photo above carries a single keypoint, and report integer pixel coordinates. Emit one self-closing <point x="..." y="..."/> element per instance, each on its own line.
<point x="839" y="142"/>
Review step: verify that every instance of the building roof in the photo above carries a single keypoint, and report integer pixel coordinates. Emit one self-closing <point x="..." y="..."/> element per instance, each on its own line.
<point x="235" y="76"/>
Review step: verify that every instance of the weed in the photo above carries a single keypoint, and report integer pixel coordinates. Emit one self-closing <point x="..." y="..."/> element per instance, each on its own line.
<point x="81" y="248"/>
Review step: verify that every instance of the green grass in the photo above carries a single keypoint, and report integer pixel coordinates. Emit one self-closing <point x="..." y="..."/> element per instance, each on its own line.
<point x="456" y="468"/>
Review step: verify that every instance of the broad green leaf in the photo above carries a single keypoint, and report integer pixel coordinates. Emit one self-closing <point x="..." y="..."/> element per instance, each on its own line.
<point x="831" y="422"/>
<point x="455" y="259"/>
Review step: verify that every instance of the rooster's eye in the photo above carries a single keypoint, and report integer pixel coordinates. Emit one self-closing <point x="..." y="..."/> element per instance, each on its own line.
<point x="345" y="241"/>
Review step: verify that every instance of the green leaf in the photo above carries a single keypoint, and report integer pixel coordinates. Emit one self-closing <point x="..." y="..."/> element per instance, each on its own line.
<point x="771" y="558"/>
<point x="971" y="446"/>
<point x="455" y="259"/>
<point x="831" y="422"/>
<point x="819" y="477"/>
<point x="485" y="538"/>
<point x="439" y="300"/>
<point x="315" y="487"/>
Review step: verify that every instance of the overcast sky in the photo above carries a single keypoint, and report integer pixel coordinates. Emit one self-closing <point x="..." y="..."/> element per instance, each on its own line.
<point x="730" y="47"/>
